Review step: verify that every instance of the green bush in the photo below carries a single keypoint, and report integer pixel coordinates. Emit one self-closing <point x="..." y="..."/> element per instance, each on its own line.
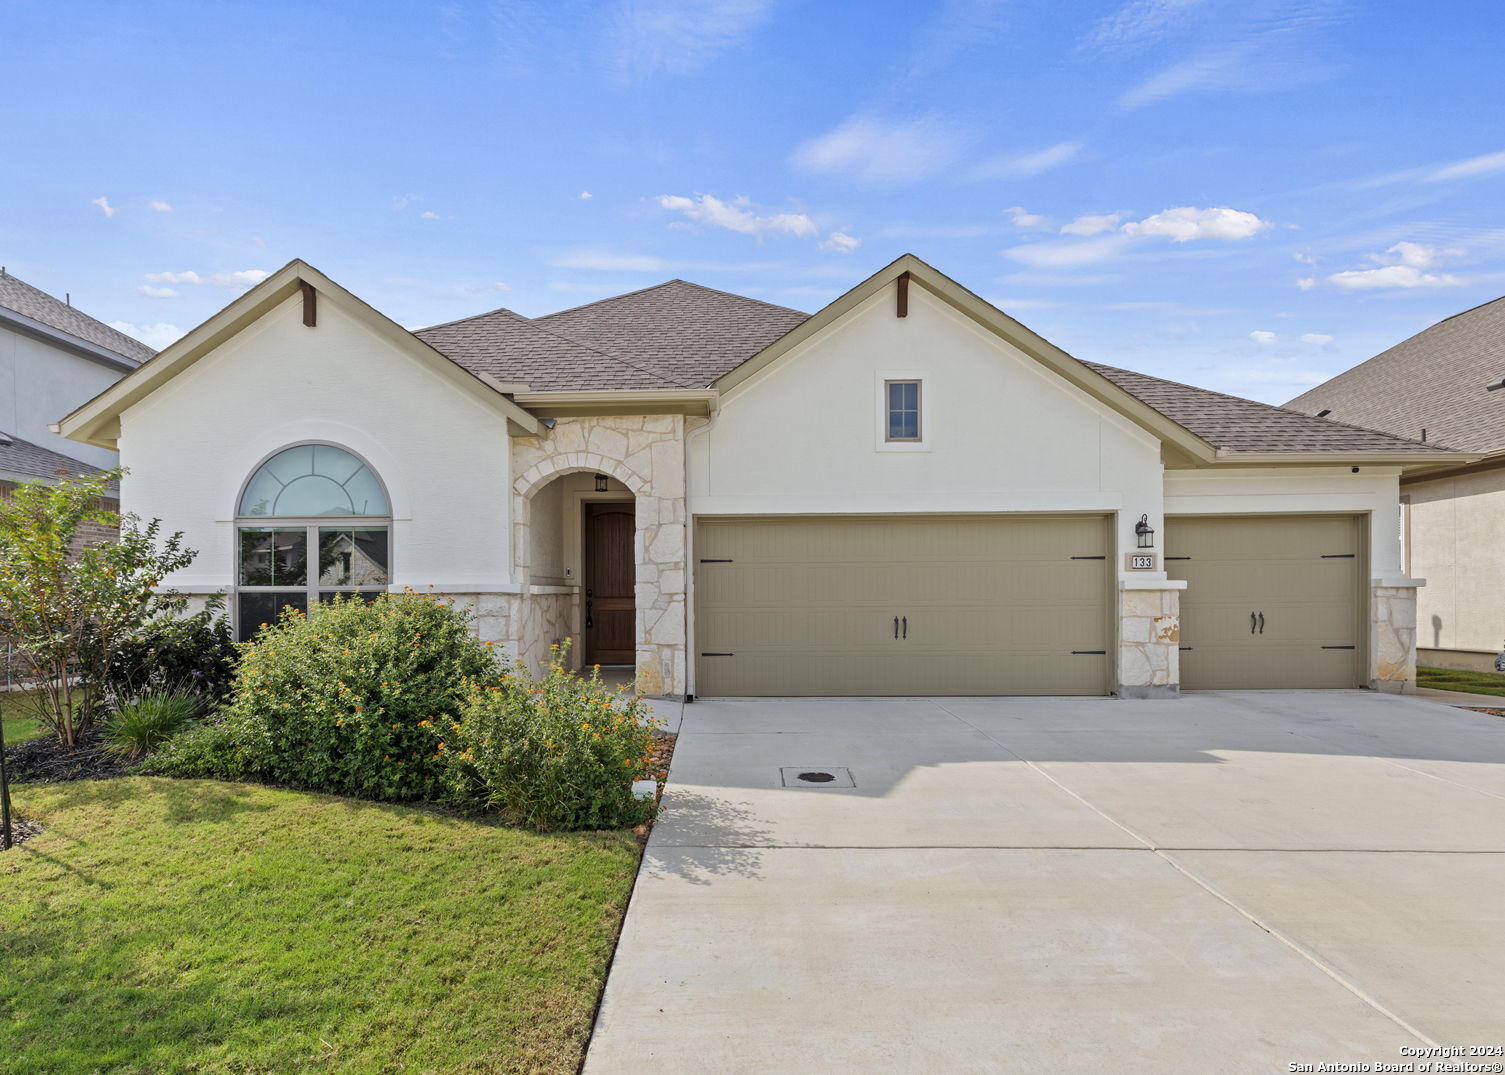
<point x="141" y="726"/>
<point x="344" y="699"/>
<point x="186" y="654"/>
<point x="559" y="752"/>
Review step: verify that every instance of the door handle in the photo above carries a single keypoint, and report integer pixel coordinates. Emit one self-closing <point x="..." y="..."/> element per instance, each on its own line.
<point x="1252" y="622"/>
<point x="588" y="620"/>
<point x="1261" y="623"/>
<point x="906" y="627"/>
<point x="896" y="628"/>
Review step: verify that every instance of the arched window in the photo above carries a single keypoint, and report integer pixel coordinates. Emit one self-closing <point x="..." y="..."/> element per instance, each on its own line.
<point x="313" y="521"/>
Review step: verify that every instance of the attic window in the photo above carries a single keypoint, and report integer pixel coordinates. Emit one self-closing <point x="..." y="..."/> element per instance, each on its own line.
<point x="902" y="403"/>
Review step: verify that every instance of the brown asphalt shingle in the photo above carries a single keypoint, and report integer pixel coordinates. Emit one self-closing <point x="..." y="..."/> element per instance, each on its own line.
<point x="19" y="456"/>
<point x="28" y="301"/>
<point x="1433" y="381"/>
<point x="1242" y="425"/>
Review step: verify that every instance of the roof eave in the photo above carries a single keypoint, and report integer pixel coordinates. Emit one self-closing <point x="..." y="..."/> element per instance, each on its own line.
<point x="694" y="402"/>
<point x="1405" y="460"/>
<point x="60" y="338"/>
<point x="1177" y="437"/>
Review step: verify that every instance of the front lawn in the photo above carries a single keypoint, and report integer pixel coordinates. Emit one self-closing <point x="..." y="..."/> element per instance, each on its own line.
<point x="1451" y="679"/>
<point x="169" y="925"/>
<point x="16" y="712"/>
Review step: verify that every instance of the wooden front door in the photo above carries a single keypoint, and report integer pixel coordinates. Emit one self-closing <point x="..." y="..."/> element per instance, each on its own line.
<point x="609" y="583"/>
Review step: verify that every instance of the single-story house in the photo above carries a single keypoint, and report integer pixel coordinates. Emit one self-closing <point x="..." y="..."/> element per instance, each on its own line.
<point x="1434" y="387"/>
<point x="905" y="493"/>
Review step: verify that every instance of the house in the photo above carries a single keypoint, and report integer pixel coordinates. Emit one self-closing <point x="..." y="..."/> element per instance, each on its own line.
<point x="906" y="493"/>
<point x="1433" y="387"/>
<point x="52" y="358"/>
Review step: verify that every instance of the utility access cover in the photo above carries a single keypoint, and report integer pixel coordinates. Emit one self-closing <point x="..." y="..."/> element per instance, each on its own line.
<point x="816" y="776"/>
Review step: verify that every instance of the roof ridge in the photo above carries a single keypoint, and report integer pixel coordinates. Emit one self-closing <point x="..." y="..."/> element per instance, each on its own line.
<point x="473" y="317"/>
<point x="110" y="330"/>
<point x="611" y="298"/>
<point x="1281" y="409"/>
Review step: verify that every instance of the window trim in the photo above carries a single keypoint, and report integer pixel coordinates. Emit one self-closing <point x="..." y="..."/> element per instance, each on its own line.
<point x="883" y="443"/>
<point x="311" y="525"/>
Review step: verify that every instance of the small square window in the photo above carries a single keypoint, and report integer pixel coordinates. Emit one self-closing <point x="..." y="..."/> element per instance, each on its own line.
<point x="903" y="407"/>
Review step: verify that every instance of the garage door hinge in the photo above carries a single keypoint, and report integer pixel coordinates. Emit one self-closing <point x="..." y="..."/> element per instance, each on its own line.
<point x="1337" y="556"/>
<point x="1337" y="647"/>
<point x="716" y="561"/>
<point x="1089" y="557"/>
<point x="1086" y="652"/>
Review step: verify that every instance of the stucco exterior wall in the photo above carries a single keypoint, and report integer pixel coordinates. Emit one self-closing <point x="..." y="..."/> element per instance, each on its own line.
<point x="1456" y="537"/>
<point x="443" y="454"/>
<point x="39" y="384"/>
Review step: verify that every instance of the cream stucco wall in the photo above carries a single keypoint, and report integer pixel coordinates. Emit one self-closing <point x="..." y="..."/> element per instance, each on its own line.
<point x="442" y="453"/>
<point x="1456" y="531"/>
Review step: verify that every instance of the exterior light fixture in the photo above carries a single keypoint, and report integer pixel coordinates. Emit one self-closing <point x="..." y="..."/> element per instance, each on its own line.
<point x="1145" y="532"/>
<point x="601" y="480"/>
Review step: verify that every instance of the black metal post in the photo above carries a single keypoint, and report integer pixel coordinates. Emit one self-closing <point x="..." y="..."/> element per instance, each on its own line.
<point x="5" y="833"/>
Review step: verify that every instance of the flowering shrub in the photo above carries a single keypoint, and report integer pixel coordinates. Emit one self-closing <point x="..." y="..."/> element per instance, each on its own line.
<point x="346" y="699"/>
<point x="559" y="752"/>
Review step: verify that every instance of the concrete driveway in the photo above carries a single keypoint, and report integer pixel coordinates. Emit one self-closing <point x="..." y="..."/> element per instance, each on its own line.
<point x="1225" y="882"/>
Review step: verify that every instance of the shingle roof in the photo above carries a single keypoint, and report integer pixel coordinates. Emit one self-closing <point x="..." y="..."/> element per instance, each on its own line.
<point x="1433" y="381"/>
<point x="681" y="335"/>
<point x="1242" y="425"/>
<point x="19" y="456"/>
<point x="28" y="301"/>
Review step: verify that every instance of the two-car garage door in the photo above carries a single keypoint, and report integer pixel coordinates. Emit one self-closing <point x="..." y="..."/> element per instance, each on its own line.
<point x="902" y="605"/>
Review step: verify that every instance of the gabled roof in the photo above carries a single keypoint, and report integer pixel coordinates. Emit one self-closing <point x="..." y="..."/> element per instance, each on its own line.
<point x="23" y="459"/>
<point x="1433" y="381"/>
<point x="97" y="422"/>
<point x="1234" y="424"/>
<point x="515" y="350"/>
<point x="19" y="297"/>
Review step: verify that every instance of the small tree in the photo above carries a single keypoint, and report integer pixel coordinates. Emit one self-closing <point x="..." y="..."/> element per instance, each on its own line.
<point x="64" y="603"/>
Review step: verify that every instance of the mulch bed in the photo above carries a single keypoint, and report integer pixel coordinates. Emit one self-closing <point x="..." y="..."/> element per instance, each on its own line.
<point x="663" y="752"/>
<point x="48" y="761"/>
<point x="22" y="829"/>
<point x="1482" y="709"/>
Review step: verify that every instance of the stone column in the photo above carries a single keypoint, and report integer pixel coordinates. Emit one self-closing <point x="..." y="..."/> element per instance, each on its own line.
<point x="1392" y="636"/>
<point x="1149" y="642"/>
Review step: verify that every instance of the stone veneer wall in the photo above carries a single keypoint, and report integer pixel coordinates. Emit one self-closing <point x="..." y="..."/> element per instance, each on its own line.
<point x="1392" y="638"/>
<point x="1149" y="644"/>
<point x="645" y="453"/>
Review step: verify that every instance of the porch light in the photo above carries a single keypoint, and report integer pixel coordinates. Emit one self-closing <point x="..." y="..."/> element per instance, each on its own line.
<point x="1145" y="532"/>
<point x="601" y="481"/>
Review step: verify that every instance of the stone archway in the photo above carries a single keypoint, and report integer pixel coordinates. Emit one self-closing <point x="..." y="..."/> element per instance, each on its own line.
<point x="646" y="454"/>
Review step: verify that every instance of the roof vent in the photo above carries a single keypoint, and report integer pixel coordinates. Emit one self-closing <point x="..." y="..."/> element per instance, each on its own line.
<point x="1324" y="413"/>
<point x="6" y="438"/>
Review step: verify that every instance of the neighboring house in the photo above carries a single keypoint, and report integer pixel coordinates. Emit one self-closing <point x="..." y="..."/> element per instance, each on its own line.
<point x="52" y="358"/>
<point x="1433" y="387"/>
<point x="906" y="493"/>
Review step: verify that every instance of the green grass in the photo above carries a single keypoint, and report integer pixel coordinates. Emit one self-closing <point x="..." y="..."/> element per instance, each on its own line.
<point x="16" y="713"/>
<point x="170" y="925"/>
<point x="1451" y="679"/>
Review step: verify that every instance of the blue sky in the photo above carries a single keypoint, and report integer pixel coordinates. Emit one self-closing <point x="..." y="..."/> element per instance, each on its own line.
<point x="1248" y="195"/>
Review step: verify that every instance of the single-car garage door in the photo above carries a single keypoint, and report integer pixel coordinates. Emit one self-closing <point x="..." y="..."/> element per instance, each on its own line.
<point x="902" y="605"/>
<point x="1269" y="602"/>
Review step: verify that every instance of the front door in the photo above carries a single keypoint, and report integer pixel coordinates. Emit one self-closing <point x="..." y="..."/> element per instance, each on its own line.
<point x="609" y="579"/>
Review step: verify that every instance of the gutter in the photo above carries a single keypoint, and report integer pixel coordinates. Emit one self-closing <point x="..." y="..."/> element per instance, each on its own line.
<point x="1404" y="460"/>
<point x="701" y="402"/>
<point x="66" y="341"/>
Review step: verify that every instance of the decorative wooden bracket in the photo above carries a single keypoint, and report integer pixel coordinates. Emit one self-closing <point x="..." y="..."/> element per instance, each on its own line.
<point x="310" y="303"/>
<point x="903" y="310"/>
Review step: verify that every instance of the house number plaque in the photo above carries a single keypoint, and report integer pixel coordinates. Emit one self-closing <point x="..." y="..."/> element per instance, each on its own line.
<point x="1141" y="561"/>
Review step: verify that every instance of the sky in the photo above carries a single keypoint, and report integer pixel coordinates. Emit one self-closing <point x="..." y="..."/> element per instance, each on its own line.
<point x="1250" y="196"/>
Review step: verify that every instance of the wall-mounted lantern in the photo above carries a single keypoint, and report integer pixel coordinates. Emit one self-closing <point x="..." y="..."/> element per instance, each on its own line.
<point x="1145" y="532"/>
<point x="601" y="481"/>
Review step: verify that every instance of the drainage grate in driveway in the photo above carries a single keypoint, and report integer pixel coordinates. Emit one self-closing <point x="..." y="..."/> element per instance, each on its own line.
<point x="816" y="776"/>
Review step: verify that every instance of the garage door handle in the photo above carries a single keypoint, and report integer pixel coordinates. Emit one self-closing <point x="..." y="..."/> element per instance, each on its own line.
<point x="1253" y="622"/>
<point x="896" y="628"/>
<point x="1261" y="623"/>
<point x="906" y="626"/>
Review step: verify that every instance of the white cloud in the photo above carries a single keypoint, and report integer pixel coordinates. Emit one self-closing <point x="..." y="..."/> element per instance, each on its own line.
<point x="680" y="36"/>
<point x="841" y="243"/>
<point x="1486" y="164"/>
<point x="1306" y="283"/>
<point x="1187" y="223"/>
<point x="1260" y="335"/>
<point x="1025" y="164"/>
<point x="157" y="292"/>
<point x="105" y="206"/>
<point x="586" y="195"/>
<point x="1305" y="259"/>
<point x="1401" y="266"/>
<point x="883" y="154"/>
<point x="1403" y="276"/>
<point x="605" y="261"/>
<point x="157" y="336"/>
<point x="161" y="207"/>
<point x="240" y="279"/>
<point x="402" y="201"/>
<point x="1092" y="224"/>
<point x="429" y="214"/>
<point x="189" y="277"/>
<point x="738" y="215"/>
<point x="1023" y="218"/>
<point x="1140" y="22"/>
<point x="1318" y="338"/>
<point x="1061" y="255"/>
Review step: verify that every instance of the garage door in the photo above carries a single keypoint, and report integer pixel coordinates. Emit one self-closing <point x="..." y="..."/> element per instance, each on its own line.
<point x="901" y="605"/>
<point x="1269" y="602"/>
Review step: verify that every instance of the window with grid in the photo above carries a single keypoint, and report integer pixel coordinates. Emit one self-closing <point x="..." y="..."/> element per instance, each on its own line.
<point x="903" y="405"/>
